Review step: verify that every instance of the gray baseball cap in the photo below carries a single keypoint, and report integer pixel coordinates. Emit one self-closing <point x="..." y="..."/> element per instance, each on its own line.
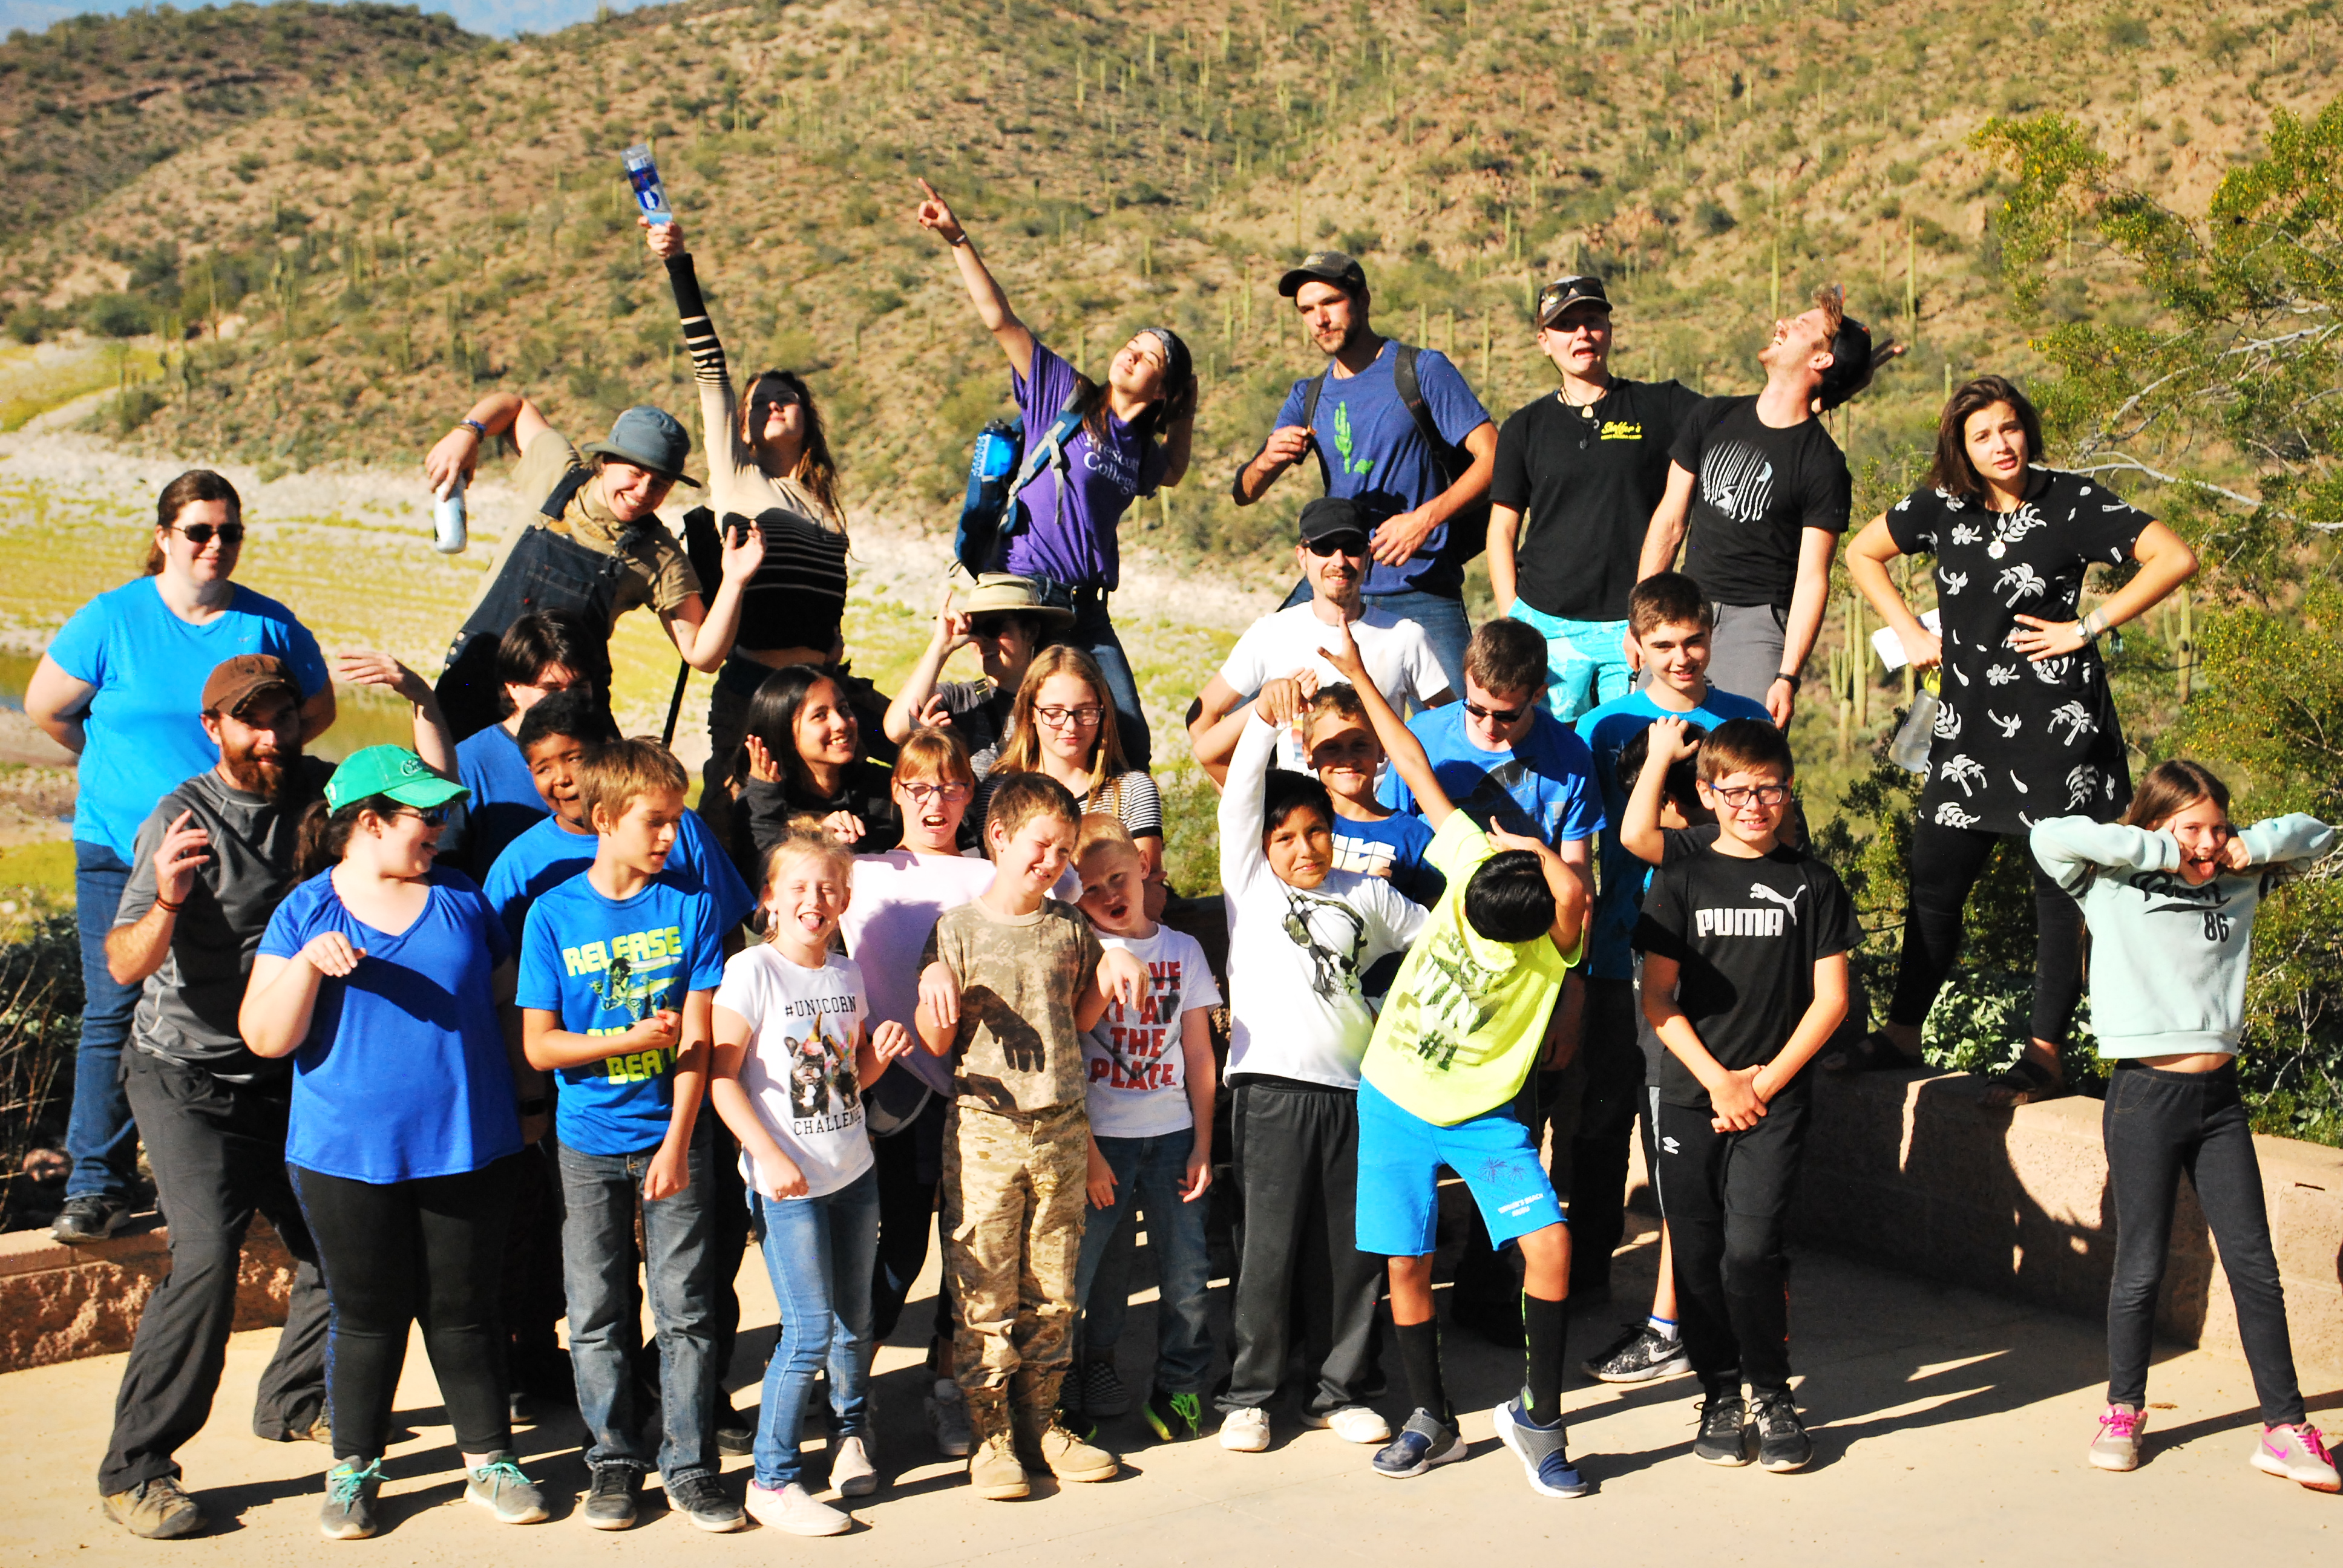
<point x="652" y="440"/>
<point x="1324" y="267"/>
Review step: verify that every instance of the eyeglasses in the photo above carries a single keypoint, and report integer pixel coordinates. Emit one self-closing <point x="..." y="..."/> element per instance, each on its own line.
<point x="201" y="534"/>
<point x="1764" y="794"/>
<point x="429" y="816"/>
<point x="1495" y="715"/>
<point x="1336" y="545"/>
<point x="951" y="794"/>
<point x="1071" y="718"/>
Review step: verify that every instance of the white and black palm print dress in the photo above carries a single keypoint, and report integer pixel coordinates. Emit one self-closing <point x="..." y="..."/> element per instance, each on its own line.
<point x="2019" y="740"/>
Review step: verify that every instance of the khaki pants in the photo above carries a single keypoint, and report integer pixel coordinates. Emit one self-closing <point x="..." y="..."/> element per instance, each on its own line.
<point x="1013" y="1206"/>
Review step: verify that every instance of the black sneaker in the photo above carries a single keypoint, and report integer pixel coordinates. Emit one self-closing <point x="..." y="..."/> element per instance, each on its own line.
<point x="1723" y="1430"/>
<point x="611" y="1501"/>
<point x="1174" y="1417"/>
<point x="702" y="1499"/>
<point x="521" y="1407"/>
<point x="1638" y="1355"/>
<point x="736" y="1435"/>
<point x="91" y="1217"/>
<point x="1783" y="1444"/>
<point x="1103" y="1394"/>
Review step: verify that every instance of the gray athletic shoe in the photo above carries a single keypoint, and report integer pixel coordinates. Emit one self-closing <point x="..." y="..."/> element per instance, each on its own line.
<point x="1425" y="1440"/>
<point x="2118" y="1445"/>
<point x="348" y="1513"/>
<point x="499" y="1487"/>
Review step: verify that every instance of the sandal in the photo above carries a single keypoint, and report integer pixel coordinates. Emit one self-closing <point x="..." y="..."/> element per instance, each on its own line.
<point x="2023" y="1082"/>
<point x="1874" y="1052"/>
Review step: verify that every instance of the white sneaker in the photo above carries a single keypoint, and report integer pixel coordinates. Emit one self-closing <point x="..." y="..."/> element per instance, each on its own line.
<point x="1245" y="1430"/>
<point x="794" y="1509"/>
<point x="850" y="1469"/>
<point x="1357" y="1423"/>
<point x="948" y="1419"/>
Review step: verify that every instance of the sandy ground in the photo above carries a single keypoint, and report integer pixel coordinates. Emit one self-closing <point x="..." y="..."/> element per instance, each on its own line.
<point x="1950" y="1427"/>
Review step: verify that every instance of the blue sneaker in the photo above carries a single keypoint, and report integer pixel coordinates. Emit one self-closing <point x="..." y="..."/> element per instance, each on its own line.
<point x="1541" y="1451"/>
<point x="1425" y="1440"/>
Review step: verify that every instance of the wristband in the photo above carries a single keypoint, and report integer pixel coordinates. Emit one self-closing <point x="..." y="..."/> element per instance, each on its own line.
<point x="2091" y="625"/>
<point x="167" y="907"/>
<point x="1794" y="680"/>
<point x="963" y="240"/>
<point x="475" y="426"/>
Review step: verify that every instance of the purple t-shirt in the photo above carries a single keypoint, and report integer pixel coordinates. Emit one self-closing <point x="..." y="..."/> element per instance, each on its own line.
<point x="1071" y="538"/>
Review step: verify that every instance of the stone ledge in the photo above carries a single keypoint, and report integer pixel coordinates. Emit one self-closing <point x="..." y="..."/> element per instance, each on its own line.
<point x="58" y="1303"/>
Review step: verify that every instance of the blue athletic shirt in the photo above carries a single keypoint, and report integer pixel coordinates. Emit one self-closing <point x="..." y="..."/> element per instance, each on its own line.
<point x="504" y="803"/>
<point x="1392" y="847"/>
<point x="603" y="964"/>
<point x="1377" y="455"/>
<point x="144" y="727"/>
<point x="1619" y="895"/>
<point x="1543" y="788"/>
<point x="550" y="854"/>
<point x="404" y="1074"/>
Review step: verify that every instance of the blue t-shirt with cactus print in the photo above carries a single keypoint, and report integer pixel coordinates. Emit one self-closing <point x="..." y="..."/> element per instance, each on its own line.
<point x="1376" y="454"/>
<point x="603" y="964"/>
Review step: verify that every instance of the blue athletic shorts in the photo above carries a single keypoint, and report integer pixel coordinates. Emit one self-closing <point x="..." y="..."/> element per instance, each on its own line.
<point x="1399" y="1157"/>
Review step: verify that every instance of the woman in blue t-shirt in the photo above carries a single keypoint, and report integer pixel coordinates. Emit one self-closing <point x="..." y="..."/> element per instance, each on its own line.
<point x="1133" y="437"/>
<point x="122" y="687"/>
<point x="380" y="976"/>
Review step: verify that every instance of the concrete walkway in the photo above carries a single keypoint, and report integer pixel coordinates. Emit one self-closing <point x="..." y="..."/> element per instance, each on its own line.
<point x="1950" y="1427"/>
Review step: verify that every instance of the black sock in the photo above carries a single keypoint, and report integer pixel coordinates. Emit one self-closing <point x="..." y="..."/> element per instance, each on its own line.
<point x="1547" y="1326"/>
<point x="1419" y="1352"/>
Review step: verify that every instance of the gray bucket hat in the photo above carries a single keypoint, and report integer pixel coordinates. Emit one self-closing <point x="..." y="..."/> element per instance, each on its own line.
<point x="652" y="440"/>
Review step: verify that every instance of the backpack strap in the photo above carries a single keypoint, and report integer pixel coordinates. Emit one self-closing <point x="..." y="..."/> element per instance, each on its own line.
<point x="1050" y="451"/>
<point x="1310" y="396"/>
<point x="1445" y="457"/>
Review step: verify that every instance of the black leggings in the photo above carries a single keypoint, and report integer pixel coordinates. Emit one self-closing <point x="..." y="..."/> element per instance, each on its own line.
<point x="2156" y="1124"/>
<point x="1945" y="864"/>
<point x="394" y="1252"/>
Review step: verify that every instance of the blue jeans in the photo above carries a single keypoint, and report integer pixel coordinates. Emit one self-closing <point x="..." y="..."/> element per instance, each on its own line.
<point x="1586" y="660"/>
<point x="597" y="1253"/>
<point x="1445" y="627"/>
<point x="99" y="1136"/>
<point x="819" y="1252"/>
<point x="1148" y="1175"/>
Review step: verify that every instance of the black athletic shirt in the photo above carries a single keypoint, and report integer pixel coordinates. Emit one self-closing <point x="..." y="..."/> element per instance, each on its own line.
<point x="1747" y="935"/>
<point x="1757" y="490"/>
<point x="1587" y="480"/>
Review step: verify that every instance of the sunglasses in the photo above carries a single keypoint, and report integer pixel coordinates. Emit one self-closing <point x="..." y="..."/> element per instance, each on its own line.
<point x="201" y="534"/>
<point x="765" y="402"/>
<point x="429" y="816"/>
<point x="1495" y="715"/>
<point x="990" y="625"/>
<point x="1764" y="794"/>
<point x="950" y="794"/>
<point x="1336" y="545"/>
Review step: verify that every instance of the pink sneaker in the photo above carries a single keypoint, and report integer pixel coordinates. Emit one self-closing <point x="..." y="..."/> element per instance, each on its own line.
<point x="2118" y="1445"/>
<point x="2296" y="1454"/>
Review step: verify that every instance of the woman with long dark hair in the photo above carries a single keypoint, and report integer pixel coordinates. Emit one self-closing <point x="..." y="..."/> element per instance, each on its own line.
<point x="2027" y="730"/>
<point x="802" y="756"/>
<point x="769" y="465"/>
<point x="122" y="687"/>
<point x="380" y="976"/>
<point x="1133" y="436"/>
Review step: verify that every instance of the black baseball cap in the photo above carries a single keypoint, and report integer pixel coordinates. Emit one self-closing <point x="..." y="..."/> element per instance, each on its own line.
<point x="1324" y="267"/>
<point x="1330" y="516"/>
<point x="1559" y="296"/>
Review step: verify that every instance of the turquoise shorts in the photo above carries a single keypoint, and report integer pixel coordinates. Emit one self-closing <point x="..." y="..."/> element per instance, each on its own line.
<point x="1586" y="661"/>
<point x="1399" y="1157"/>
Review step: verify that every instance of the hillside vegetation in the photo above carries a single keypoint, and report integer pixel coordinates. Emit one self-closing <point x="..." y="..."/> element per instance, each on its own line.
<point x="92" y="101"/>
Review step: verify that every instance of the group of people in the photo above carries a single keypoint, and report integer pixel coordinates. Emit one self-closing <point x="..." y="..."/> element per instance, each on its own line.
<point x="455" y="1016"/>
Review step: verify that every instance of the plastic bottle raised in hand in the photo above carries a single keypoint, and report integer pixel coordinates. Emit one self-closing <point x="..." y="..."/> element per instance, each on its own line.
<point x="447" y="532"/>
<point x="642" y="173"/>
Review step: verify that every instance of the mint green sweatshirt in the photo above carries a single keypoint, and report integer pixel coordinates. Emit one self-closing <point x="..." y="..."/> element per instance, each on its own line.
<point x="2168" y="961"/>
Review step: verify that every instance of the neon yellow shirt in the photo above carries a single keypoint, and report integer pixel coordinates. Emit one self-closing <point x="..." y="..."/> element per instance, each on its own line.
<point x="1466" y="1016"/>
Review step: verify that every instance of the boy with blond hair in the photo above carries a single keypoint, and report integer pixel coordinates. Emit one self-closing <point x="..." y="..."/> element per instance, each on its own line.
<point x="1009" y="984"/>
<point x="618" y="969"/>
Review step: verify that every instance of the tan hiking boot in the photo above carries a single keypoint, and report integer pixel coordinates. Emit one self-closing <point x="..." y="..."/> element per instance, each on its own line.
<point x="992" y="1467"/>
<point x="1042" y="1432"/>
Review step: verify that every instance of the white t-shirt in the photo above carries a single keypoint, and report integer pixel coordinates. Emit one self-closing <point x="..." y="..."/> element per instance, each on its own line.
<point x="799" y="1068"/>
<point x="1136" y="1072"/>
<point x="1295" y="956"/>
<point x="1397" y="655"/>
<point x="898" y="897"/>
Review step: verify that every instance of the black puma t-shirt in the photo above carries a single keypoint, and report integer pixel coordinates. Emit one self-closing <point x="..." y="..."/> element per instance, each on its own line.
<point x="1747" y="935"/>
<point x="1756" y="491"/>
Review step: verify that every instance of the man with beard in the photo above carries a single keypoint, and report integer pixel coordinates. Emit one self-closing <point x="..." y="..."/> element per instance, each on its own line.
<point x="211" y="864"/>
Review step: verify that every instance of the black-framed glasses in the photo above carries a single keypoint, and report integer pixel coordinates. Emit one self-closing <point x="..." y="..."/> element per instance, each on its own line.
<point x="201" y="534"/>
<point x="1085" y="718"/>
<point x="1337" y="545"/>
<point x="429" y="816"/>
<point x="950" y="794"/>
<point x="1742" y="795"/>
<point x="1495" y="715"/>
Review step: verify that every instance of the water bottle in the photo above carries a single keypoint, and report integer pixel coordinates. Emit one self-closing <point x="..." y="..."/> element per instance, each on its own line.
<point x="447" y="536"/>
<point x="1909" y="751"/>
<point x="643" y="174"/>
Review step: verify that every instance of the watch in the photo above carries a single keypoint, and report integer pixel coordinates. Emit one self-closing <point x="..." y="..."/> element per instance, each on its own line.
<point x="2091" y="625"/>
<point x="1794" y="680"/>
<point x="475" y="426"/>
